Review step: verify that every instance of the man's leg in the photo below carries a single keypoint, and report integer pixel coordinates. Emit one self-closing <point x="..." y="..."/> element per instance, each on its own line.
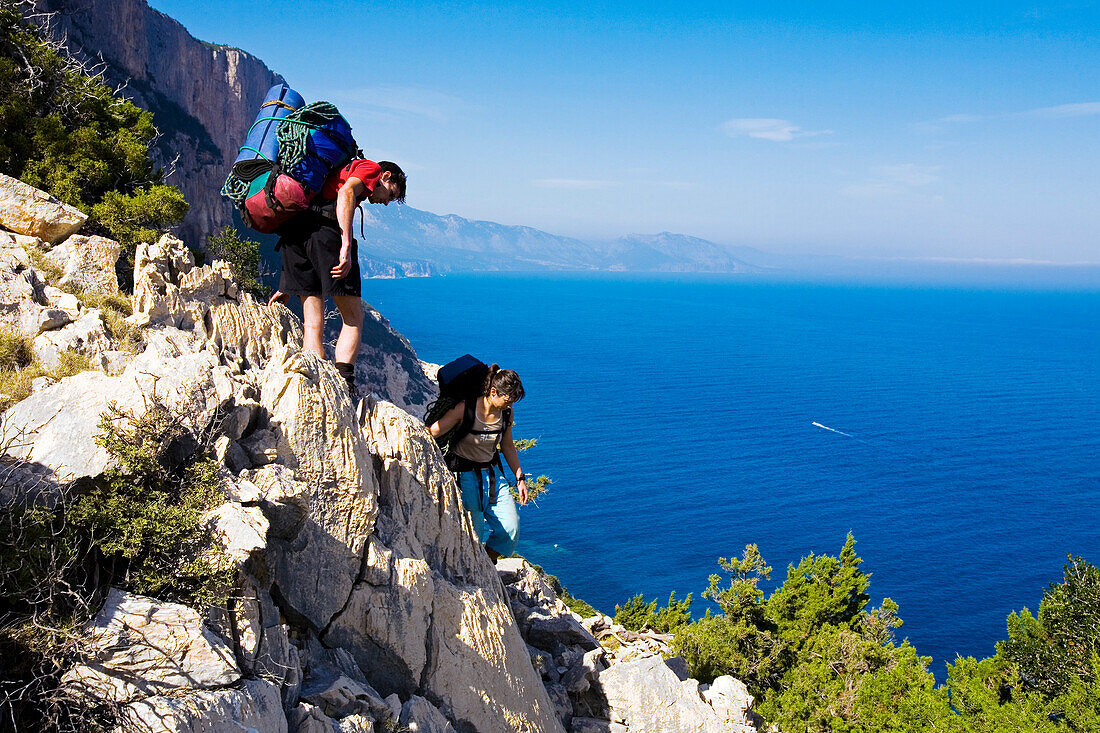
<point x="313" y="315"/>
<point x="351" y="331"/>
<point x="347" y="345"/>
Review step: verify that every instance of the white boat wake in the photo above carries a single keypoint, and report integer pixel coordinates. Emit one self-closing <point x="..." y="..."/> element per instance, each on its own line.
<point x="834" y="430"/>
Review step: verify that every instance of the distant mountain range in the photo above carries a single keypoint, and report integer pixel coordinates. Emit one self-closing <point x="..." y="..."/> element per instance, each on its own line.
<point x="402" y="240"/>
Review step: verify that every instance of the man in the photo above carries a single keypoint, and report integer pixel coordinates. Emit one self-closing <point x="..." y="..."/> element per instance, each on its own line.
<point x="321" y="259"/>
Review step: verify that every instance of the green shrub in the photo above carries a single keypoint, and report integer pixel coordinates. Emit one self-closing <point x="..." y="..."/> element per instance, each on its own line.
<point x="243" y="256"/>
<point x="64" y="131"/>
<point x="636" y="614"/>
<point x="139" y="526"/>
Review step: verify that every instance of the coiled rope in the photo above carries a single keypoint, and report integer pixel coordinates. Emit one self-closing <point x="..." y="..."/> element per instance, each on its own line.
<point x="292" y="132"/>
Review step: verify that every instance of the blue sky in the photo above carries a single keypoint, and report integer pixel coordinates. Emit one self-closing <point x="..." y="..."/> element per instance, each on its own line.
<point x="935" y="129"/>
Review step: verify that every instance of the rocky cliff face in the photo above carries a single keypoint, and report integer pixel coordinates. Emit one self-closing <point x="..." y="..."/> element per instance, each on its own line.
<point x="203" y="96"/>
<point x="362" y="599"/>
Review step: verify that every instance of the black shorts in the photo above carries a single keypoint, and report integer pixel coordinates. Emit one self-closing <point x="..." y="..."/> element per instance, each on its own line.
<point x="310" y="246"/>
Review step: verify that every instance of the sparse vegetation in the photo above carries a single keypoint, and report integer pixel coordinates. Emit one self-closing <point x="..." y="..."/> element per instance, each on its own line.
<point x="636" y="614"/>
<point x="19" y="367"/>
<point x="139" y="526"/>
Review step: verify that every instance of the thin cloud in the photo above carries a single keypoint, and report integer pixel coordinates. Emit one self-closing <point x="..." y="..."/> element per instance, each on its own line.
<point x="1060" y="111"/>
<point x="574" y="183"/>
<point x="887" y="181"/>
<point x="768" y="128"/>
<point x="1079" y="109"/>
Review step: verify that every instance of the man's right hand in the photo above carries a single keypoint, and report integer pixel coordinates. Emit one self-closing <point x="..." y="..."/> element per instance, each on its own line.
<point x="278" y="297"/>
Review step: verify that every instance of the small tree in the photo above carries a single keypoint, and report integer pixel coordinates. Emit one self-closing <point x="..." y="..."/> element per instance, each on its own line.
<point x="243" y="256"/>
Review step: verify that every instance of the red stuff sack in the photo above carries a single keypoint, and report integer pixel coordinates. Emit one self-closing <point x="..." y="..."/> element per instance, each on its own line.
<point x="273" y="198"/>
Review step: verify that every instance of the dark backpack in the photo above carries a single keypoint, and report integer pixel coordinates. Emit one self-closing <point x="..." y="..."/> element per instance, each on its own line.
<point x="460" y="381"/>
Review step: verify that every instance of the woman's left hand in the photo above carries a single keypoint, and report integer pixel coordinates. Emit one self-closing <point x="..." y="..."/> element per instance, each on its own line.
<point x="522" y="486"/>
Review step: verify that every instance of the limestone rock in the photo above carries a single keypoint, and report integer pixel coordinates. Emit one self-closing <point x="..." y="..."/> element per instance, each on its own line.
<point x="40" y="383"/>
<point x="140" y="646"/>
<point x="231" y="455"/>
<point x="319" y="439"/>
<point x="595" y="725"/>
<point x="240" y="531"/>
<point x="445" y="630"/>
<point x="648" y="697"/>
<point x="58" y="298"/>
<point x="27" y="210"/>
<point x="306" y="718"/>
<point x="356" y="724"/>
<point x="115" y="361"/>
<point x="339" y="696"/>
<point x="253" y="707"/>
<point x="157" y="270"/>
<point x="34" y="322"/>
<point x="262" y="447"/>
<point x="87" y="263"/>
<point x="546" y="628"/>
<point x="730" y="699"/>
<point x="22" y="296"/>
<point x="57" y="426"/>
<point x="86" y="335"/>
<point x="420" y="715"/>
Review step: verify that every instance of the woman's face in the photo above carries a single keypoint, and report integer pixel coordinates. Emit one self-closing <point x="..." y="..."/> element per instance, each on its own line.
<point x="499" y="400"/>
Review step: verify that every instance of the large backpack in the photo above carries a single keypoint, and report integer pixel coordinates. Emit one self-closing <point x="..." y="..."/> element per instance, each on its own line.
<point x="290" y="151"/>
<point x="460" y="381"/>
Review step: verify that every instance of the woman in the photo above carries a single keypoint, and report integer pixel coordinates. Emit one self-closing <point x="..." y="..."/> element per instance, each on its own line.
<point x="475" y="459"/>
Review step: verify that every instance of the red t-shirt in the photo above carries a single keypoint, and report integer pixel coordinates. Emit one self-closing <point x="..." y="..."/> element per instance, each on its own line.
<point x="366" y="171"/>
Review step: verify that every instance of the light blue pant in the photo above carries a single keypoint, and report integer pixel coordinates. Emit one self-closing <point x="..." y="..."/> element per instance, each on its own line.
<point x="492" y="508"/>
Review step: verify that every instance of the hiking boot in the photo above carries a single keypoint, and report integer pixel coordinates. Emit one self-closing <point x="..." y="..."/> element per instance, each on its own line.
<point x="347" y="371"/>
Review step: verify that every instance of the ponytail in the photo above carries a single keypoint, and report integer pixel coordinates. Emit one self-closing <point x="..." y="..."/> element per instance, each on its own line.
<point x="505" y="381"/>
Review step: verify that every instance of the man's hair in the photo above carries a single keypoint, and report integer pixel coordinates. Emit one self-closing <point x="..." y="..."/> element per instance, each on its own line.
<point x="396" y="175"/>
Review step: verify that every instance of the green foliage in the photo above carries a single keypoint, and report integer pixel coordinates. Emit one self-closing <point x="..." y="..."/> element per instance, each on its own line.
<point x="140" y="526"/>
<point x="636" y="614"/>
<point x="138" y="216"/>
<point x="64" y="131"/>
<point x="1052" y="651"/>
<point x="819" y="661"/>
<point x="243" y="256"/>
<point x="537" y="486"/>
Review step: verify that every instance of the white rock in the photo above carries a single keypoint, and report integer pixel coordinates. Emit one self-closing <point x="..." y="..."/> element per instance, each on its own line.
<point x="240" y="531"/>
<point x="87" y="263"/>
<point x="140" y="646"/>
<point x="115" y="361"/>
<point x="58" y="298"/>
<point x="648" y="697"/>
<point x="420" y="715"/>
<point x="27" y="210"/>
<point x="262" y="447"/>
<point x="86" y="335"/>
<point x="255" y="708"/>
<point x="40" y="383"/>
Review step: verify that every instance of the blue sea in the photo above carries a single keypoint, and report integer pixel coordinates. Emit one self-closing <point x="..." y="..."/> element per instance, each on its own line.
<point x="954" y="432"/>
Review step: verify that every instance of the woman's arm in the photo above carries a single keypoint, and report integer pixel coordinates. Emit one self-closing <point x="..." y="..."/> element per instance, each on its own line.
<point x="448" y="421"/>
<point x="508" y="448"/>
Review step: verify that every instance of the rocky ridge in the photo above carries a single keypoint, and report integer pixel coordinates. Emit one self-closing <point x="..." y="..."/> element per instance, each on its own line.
<point x="362" y="599"/>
